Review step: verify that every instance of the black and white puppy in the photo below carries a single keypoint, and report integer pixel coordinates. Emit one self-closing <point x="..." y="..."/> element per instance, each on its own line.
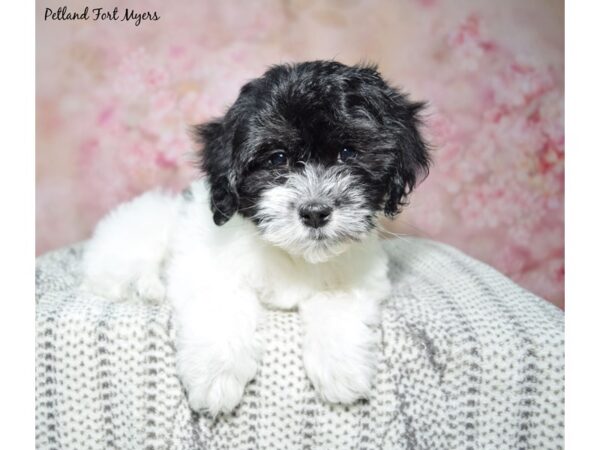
<point x="299" y="170"/>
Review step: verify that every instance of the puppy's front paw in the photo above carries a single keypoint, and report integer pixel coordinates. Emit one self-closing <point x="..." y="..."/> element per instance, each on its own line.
<point x="221" y="394"/>
<point x="214" y="378"/>
<point x="340" y="372"/>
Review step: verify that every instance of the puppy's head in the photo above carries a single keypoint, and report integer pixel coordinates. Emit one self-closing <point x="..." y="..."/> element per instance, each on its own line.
<point x="312" y="153"/>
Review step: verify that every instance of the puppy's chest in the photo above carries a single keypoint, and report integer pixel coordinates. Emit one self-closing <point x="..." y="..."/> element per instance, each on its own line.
<point x="286" y="286"/>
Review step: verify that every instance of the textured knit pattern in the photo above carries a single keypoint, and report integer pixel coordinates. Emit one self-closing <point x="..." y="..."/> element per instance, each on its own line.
<point x="468" y="360"/>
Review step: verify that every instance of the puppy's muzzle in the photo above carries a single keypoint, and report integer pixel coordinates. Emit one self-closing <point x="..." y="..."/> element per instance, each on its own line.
<point x="315" y="214"/>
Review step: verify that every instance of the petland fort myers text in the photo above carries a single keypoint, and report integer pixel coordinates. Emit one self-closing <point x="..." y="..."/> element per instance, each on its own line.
<point x="101" y="14"/>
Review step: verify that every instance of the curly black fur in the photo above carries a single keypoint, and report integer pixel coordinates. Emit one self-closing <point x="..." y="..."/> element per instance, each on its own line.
<point x="312" y="110"/>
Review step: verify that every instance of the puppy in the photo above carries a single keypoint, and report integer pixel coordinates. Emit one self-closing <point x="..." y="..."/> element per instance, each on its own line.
<point x="299" y="170"/>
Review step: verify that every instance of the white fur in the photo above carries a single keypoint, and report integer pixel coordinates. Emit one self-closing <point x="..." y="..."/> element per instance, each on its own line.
<point x="129" y="246"/>
<point x="282" y="226"/>
<point x="219" y="280"/>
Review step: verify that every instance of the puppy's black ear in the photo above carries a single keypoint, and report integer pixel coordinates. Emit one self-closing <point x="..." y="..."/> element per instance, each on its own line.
<point x="400" y="118"/>
<point x="216" y="162"/>
<point x="412" y="153"/>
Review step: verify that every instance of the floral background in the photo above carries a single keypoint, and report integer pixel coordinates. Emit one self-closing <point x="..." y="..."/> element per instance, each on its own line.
<point x="114" y="102"/>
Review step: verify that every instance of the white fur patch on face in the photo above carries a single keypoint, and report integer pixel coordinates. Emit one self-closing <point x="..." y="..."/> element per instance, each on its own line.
<point x="350" y="219"/>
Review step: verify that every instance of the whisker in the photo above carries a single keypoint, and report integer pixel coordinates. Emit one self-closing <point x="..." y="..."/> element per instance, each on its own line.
<point x="419" y="230"/>
<point x="389" y="233"/>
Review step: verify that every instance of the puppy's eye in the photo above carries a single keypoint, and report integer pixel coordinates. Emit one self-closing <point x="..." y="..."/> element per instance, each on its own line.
<point x="278" y="159"/>
<point x="345" y="154"/>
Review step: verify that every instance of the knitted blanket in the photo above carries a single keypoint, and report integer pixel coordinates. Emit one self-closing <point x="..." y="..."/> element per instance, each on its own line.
<point x="468" y="360"/>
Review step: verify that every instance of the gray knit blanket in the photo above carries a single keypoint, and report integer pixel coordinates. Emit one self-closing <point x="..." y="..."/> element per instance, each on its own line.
<point x="468" y="360"/>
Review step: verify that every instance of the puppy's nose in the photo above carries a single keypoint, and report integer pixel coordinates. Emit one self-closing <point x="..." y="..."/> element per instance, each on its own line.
<point x="314" y="214"/>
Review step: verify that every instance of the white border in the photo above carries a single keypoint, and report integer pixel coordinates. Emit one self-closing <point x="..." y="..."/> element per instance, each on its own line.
<point x="582" y="218"/>
<point x="17" y="239"/>
<point x="583" y="225"/>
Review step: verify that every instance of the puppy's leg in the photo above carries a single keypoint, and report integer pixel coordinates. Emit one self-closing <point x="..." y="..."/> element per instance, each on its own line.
<point x="218" y="349"/>
<point x="124" y="257"/>
<point x="340" y="344"/>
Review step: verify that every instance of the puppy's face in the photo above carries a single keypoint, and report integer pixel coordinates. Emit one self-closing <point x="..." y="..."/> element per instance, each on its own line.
<point x="312" y="153"/>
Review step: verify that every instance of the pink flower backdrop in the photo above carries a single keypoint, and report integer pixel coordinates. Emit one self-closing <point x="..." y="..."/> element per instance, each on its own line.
<point x="114" y="102"/>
